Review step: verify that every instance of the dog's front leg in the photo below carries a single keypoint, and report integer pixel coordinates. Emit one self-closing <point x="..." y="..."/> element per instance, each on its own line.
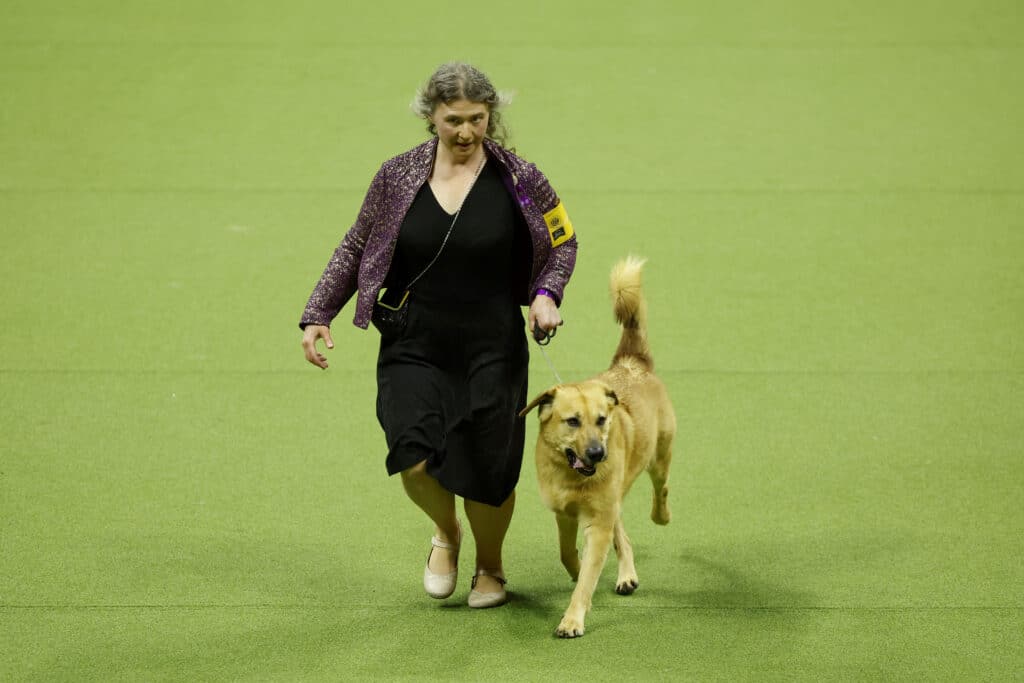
<point x="627" y="581"/>
<point x="598" y="540"/>
<point x="567" y="529"/>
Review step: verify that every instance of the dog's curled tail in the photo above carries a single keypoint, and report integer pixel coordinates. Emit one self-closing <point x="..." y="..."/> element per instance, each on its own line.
<point x="630" y="310"/>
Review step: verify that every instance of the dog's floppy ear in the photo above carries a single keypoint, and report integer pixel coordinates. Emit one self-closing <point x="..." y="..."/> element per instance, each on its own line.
<point x="544" y="401"/>
<point x="613" y="399"/>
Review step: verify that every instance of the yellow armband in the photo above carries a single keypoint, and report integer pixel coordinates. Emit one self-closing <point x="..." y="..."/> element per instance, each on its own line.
<point x="559" y="225"/>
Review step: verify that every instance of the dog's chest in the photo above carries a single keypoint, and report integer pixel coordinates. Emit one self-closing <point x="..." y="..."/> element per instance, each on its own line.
<point x="578" y="499"/>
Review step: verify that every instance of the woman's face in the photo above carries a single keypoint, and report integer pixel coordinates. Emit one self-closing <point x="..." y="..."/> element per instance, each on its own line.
<point x="461" y="127"/>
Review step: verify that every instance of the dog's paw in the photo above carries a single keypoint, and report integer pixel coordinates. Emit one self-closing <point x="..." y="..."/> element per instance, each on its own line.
<point x="660" y="512"/>
<point x="569" y="628"/>
<point x="573" y="567"/>
<point x="627" y="585"/>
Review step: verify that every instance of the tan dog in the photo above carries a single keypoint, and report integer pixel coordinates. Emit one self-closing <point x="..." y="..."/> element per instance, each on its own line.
<point x="595" y="438"/>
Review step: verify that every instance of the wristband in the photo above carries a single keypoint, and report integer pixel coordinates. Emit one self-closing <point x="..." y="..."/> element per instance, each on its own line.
<point x="541" y="291"/>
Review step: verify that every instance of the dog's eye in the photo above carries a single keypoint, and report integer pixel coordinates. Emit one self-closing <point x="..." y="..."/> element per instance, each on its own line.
<point x="573" y="422"/>
<point x="601" y="420"/>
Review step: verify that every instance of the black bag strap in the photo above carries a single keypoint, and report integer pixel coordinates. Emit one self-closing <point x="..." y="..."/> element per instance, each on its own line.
<point x="450" y="227"/>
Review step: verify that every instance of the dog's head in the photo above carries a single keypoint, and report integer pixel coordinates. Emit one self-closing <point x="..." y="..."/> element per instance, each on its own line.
<point x="574" y="420"/>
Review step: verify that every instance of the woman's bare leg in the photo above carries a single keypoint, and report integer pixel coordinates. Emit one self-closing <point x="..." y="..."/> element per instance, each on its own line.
<point x="439" y="505"/>
<point x="489" y="525"/>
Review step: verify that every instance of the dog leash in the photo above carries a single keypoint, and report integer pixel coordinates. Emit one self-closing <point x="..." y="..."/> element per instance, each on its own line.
<point x="543" y="338"/>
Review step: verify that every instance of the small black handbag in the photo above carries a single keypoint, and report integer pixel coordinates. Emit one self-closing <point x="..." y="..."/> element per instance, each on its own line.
<point x="390" y="312"/>
<point x="390" y="319"/>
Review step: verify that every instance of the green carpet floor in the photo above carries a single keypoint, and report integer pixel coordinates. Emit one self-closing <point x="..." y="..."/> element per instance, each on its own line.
<point x="830" y="196"/>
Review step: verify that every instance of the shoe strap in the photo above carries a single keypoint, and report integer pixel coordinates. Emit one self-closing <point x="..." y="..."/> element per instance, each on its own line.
<point x="497" y="576"/>
<point x="438" y="543"/>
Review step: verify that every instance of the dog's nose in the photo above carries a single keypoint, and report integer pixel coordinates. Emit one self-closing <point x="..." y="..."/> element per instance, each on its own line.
<point x="595" y="452"/>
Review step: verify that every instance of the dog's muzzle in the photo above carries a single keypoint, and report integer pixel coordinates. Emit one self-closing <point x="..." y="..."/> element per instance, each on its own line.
<point x="576" y="463"/>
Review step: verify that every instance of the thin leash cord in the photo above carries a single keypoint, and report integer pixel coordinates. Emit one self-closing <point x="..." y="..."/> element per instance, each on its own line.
<point x="550" y="364"/>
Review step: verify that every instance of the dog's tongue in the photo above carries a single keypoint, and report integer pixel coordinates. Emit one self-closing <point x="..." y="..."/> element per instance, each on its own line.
<point x="580" y="467"/>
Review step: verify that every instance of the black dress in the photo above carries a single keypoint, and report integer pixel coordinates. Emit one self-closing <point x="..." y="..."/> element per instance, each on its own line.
<point x="450" y="388"/>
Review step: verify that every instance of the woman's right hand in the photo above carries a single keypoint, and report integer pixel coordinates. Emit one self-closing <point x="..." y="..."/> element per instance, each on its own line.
<point x="309" y="338"/>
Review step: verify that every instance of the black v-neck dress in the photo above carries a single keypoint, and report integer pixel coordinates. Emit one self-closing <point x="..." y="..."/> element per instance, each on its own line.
<point x="450" y="387"/>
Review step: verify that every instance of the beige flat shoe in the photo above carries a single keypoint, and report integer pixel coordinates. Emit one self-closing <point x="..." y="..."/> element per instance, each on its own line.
<point x="440" y="586"/>
<point x="483" y="600"/>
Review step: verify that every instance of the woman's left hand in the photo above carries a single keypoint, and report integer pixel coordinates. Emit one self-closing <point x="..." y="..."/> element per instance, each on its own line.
<point x="543" y="314"/>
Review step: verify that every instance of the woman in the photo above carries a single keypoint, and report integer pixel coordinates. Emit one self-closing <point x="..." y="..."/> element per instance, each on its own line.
<point x="478" y="232"/>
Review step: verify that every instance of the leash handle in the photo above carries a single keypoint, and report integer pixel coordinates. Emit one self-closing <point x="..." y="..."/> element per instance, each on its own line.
<point x="542" y="336"/>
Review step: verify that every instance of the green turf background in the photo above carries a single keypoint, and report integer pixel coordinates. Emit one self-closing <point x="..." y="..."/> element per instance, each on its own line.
<point x="831" y="198"/>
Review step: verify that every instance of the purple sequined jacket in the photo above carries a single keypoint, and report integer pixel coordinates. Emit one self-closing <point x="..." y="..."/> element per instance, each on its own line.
<point x="361" y="261"/>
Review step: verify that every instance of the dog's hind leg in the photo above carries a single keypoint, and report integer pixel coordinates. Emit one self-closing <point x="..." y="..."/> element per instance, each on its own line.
<point x="627" y="581"/>
<point x="660" y="512"/>
<point x="598" y="541"/>
<point x="567" y="529"/>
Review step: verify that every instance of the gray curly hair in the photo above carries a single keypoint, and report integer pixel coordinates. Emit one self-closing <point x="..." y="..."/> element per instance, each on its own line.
<point x="458" y="80"/>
